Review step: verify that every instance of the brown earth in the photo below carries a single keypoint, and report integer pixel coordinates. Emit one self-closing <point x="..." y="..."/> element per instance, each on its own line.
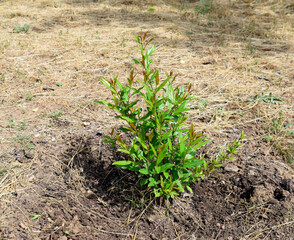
<point x="56" y="177"/>
<point x="80" y="195"/>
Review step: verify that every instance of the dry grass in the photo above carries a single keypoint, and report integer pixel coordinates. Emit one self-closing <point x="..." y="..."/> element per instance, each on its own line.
<point x="75" y="42"/>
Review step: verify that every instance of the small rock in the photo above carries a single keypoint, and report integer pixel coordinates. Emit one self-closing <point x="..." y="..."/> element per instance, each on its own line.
<point x="23" y="226"/>
<point x="29" y="154"/>
<point x="273" y="201"/>
<point x="251" y="173"/>
<point x="152" y="219"/>
<point x="76" y="229"/>
<point x="90" y="195"/>
<point x="153" y="236"/>
<point x="51" y="188"/>
<point x="230" y="238"/>
<point x="231" y="168"/>
<point x="86" y="124"/>
<point x="187" y="195"/>
<point x="99" y="133"/>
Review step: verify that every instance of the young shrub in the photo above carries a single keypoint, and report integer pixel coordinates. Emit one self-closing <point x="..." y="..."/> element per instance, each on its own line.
<point x="163" y="151"/>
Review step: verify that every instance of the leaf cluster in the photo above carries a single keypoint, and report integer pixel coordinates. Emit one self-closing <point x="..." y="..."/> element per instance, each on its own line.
<point x="163" y="151"/>
<point x="19" y="29"/>
<point x="270" y="98"/>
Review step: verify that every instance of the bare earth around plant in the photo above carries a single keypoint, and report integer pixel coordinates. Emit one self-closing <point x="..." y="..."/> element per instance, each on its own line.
<point x="57" y="180"/>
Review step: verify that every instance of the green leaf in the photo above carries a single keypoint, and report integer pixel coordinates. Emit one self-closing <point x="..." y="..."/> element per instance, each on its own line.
<point x="161" y="155"/>
<point x="127" y="129"/>
<point x="181" y="109"/>
<point x="188" y="157"/>
<point x="151" y="50"/>
<point x="107" y="84"/>
<point x="153" y="75"/>
<point x="182" y="144"/>
<point x="166" y="174"/>
<point x="35" y="216"/>
<point x="157" y="169"/>
<point x="144" y="171"/>
<point x="26" y="28"/>
<point x="3" y="170"/>
<point x="201" y="144"/>
<point x="104" y="103"/>
<point x="162" y="84"/>
<point x="153" y="150"/>
<point x="137" y="61"/>
<point x="118" y="84"/>
<point x="189" y="189"/>
<point x="170" y="93"/>
<point x="166" y="166"/>
<point x="167" y="135"/>
<point x="158" y="194"/>
<point x="199" y="139"/>
<point x="17" y="28"/>
<point x="121" y="163"/>
<point x="144" y="181"/>
<point x="127" y="119"/>
<point x="193" y="163"/>
<point x="142" y="143"/>
<point x="124" y="151"/>
<point x="152" y="182"/>
<point x="170" y="144"/>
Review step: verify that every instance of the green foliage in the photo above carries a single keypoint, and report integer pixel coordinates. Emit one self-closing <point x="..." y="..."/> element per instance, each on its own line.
<point x="250" y="47"/>
<point x="56" y="115"/>
<point x="19" y="29"/>
<point x="270" y="98"/>
<point x="280" y="136"/>
<point x="163" y="151"/>
<point x="202" y="104"/>
<point x="21" y="126"/>
<point x="152" y="9"/>
<point x="5" y="169"/>
<point x="35" y="216"/>
<point x="205" y="6"/>
<point x="279" y="126"/>
<point x="29" y="97"/>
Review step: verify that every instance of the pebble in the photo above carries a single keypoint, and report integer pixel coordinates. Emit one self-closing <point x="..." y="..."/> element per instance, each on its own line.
<point x="231" y="168"/>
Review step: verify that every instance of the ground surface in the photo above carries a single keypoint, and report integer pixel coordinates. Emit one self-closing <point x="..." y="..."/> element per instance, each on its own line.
<point x="56" y="177"/>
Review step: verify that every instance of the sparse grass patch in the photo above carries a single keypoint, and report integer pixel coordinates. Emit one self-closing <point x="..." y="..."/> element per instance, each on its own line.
<point x="19" y="29"/>
<point x="56" y="115"/>
<point x="270" y="98"/>
<point x="281" y="135"/>
<point x="29" y="97"/>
